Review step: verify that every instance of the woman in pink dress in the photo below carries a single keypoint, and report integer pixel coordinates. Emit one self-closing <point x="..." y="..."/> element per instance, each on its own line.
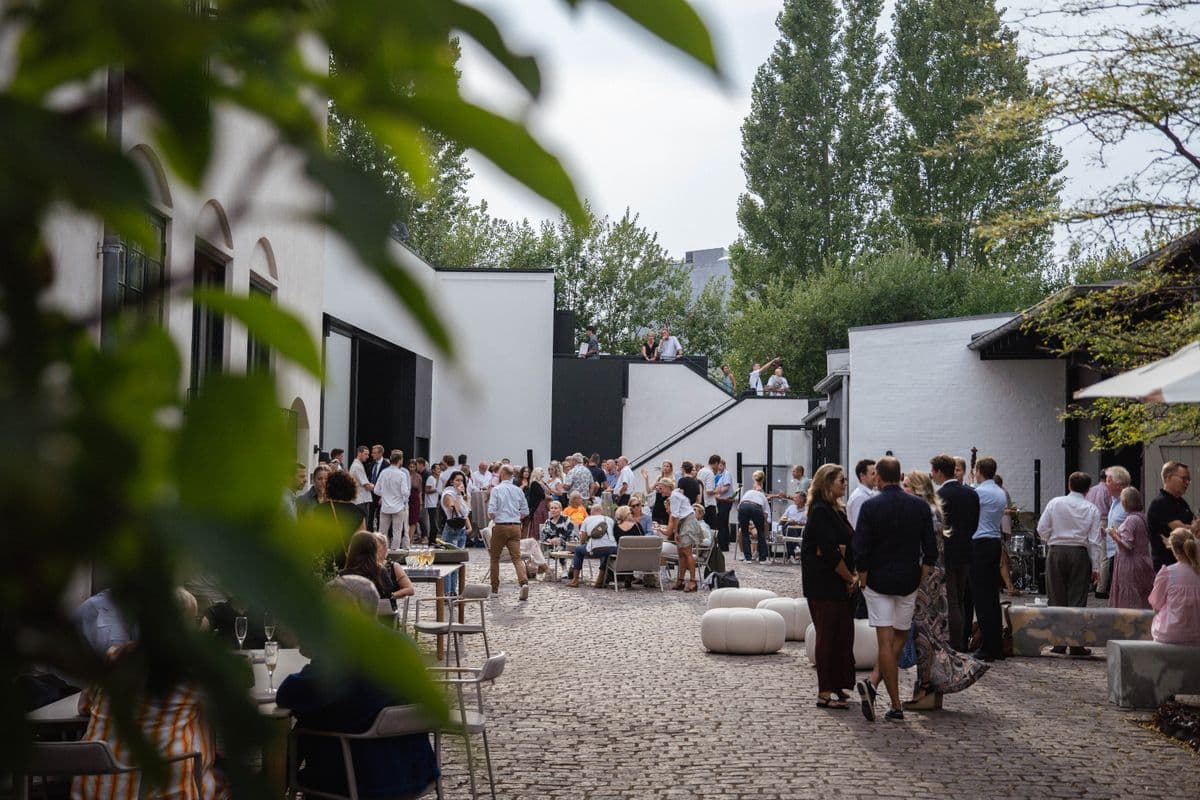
<point x="1132" y="569"/>
<point x="1176" y="594"/>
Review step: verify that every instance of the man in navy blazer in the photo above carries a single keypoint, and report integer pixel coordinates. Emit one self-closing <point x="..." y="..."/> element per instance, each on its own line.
<point x="894" y="547"/>
<point x="960" y="505"/>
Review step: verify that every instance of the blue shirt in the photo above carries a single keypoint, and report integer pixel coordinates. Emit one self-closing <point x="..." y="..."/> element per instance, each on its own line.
<point x="1116" y="515"/>
<point x="992" y="502"/>
<point x="507" y="505"/>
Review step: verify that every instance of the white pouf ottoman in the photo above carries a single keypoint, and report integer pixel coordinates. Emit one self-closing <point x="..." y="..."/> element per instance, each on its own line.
<point x="737" y="598"/>
<point x="742" y="631"/>
<point x="795" y="614"/>
<point x="866" y="646"/>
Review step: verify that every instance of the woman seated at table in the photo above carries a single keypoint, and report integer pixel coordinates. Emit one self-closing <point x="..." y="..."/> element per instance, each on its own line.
<point x="576" y="511"/>
<point x="598" y="542"/>
<point x="367" y="558"/>
<point x="402" y="766"/>
<point x="173" y="723"/>
<point x="627" y="524"/>
<point x="393" y="580"/>
<point x="1176" y="594"/>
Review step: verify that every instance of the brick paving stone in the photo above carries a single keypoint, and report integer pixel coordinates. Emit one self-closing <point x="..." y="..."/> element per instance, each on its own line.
<point x="612" y="696"/>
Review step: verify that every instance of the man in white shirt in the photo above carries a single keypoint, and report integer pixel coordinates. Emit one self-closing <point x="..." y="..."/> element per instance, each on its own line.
<point x="507" y="507"/>
<point x="794" y="516"/>
<point x="778" y="384"/>
<point x="393" y="488"/>
<point x="708" y="483"/>
<point x="1071" y="528"/>
<point x="756" y="384"/>
<point x="430" y="505"/>
<point x="864" y="471"/>
<point x="481" y="479"/>
<point x="669" y="347"/>
<point x="624" y="481"/>
<point x="362" y="497"/>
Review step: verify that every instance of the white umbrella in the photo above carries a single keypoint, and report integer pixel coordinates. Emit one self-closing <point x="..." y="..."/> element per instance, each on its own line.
<point x="1174" y="379"/>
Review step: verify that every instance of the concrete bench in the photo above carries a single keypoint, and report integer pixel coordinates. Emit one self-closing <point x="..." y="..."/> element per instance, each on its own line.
<point x="742" y="631"/>
<point x="1145" y="674"/>
<point x="1035" y="627"/>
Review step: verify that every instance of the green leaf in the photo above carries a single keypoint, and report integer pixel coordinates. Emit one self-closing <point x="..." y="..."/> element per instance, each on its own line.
<point x="483" y="30"/>
<point x="275" y="327"/>
<point x="676" y="23"/>
<point x="505" y="143"/>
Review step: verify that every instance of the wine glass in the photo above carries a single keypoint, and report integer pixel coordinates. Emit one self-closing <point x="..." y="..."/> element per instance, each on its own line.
<point x="269" y="626"/>
<point x="270" y="658"/>
<point x="239" y="630"/>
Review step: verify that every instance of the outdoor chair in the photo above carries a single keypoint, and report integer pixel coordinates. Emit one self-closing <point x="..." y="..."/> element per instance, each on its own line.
<point x="449" y="626"/>
<point x="390" y="723"/>
<point x="635" y="554"/>
<point x="398" y="616"/>
<point x="468" y="716"/>
<point x="70" y="759"/>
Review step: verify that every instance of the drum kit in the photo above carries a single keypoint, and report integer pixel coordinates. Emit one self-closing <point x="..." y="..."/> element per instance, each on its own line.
<point x="1026" y="559"/>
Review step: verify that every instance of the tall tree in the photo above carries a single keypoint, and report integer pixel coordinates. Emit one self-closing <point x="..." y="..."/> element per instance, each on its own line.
<point x="950" y="58"/>
<point x="788" y="143"/>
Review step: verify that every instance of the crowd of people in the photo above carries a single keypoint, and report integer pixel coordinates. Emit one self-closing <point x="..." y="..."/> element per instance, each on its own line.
<point x="920" y="556"/>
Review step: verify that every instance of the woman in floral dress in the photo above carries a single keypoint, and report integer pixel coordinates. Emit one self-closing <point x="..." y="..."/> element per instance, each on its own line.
<point x="940" y="668"/>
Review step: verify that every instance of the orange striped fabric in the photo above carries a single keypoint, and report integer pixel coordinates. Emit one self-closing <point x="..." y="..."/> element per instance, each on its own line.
<point x="174" y="725"/>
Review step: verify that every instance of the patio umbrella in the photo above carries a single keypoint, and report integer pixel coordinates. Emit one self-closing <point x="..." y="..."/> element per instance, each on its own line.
<point x="1174" y="379"/>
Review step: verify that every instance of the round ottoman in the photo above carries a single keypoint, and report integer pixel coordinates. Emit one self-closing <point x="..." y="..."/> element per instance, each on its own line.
<point x="737" y="598"/>
<point x="866" y="646"/>
<point x="795" y="614"/>
<point x="742" y="631"/>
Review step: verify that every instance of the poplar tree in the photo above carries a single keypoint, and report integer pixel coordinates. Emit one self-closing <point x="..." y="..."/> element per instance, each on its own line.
<point x="950" y="59"/>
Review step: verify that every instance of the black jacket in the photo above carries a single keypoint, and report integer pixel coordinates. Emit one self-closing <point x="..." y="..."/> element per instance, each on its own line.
<point x="893" y="538"/>
<point x="960" y="505"/>
<point x="825" y="529"/>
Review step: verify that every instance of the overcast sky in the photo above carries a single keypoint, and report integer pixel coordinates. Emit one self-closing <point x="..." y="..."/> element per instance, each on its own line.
<point x="636" y="125"/>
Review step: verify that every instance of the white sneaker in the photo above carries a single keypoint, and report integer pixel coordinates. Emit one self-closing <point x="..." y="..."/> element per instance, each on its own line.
<point x="524" y="591"/>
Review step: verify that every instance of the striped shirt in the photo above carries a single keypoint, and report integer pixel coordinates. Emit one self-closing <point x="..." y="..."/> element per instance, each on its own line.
<point x="175" y="726"/>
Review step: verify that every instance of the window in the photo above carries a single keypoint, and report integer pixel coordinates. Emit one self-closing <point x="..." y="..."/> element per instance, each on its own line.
<point x="208" y="327"/>
<point x="258" y="355"/>
<point x="140" y="273"/>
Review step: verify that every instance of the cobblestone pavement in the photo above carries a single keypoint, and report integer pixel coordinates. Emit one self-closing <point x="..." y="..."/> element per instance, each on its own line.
<point x="612" y="696"/>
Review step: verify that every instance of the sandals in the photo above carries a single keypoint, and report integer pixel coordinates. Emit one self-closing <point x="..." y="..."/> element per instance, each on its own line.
<point x="691" y="587"/>
<point x="833" y="703"/>
<point x="676" y="586"/>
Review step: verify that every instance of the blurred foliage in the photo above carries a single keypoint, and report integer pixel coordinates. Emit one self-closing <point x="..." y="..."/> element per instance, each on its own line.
<point x="112" y="466"/>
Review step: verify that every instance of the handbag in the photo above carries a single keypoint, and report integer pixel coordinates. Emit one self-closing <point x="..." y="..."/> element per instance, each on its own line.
<point x="722" y="580"/>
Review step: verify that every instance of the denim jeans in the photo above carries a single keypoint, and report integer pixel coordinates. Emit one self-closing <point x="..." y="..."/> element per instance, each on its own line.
<point x="458" y="538"/>
<point x="581" y="552"/>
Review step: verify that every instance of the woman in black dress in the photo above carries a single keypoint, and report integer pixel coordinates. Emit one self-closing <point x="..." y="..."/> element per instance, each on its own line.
<point x="649" y="348"/>
<point x="827" y="572"/>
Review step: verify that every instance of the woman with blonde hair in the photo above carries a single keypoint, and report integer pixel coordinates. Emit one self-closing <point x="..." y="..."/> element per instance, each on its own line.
<point x="554" y="482"/>
<point x="828" y="581"/>
<point x="1176" y="594"/>
<point x="754" y="509"/>
<point x="940" y="668"/>
<point x="658" y="511"/>
<point x="1132" y="567"/>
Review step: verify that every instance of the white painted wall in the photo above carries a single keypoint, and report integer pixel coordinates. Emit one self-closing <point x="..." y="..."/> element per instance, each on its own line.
<point x="664" y="399"/>
<point x="917" y="390"/>
<point x="743" y="428"/>
<point x="263" y="202"/>
<point x="494" y="401"/>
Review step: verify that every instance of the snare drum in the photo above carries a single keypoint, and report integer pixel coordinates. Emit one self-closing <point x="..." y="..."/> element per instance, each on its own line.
<point x="1018" y="544"/>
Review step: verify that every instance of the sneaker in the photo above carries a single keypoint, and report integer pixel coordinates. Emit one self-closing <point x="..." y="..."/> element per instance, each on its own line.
<point x="1059" y="650"/>
<point x="1080" y="652"/>
<point x="894" y="715"/>
<point x="866" y="696"/>
<point x="524" y="591"/>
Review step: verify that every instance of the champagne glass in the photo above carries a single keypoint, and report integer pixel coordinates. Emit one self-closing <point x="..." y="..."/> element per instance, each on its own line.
<point x="271" y="658"/>
<point x="239" y="630"/>
<point x="269" y="626"/>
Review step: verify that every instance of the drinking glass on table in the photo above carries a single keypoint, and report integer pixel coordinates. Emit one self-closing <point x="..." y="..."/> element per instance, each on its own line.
<point x="239" y="630"/>
<point x="271" y="658"/>
<point x="269" y="626"/>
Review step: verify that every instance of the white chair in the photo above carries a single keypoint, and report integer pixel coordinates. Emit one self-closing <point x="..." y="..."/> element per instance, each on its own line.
<point x="448" y="626"/>
<point x="468" y="718"/>
<point x="635" y="554"/>
<point x="68" y="759"/>
<point x="391" y="722"/>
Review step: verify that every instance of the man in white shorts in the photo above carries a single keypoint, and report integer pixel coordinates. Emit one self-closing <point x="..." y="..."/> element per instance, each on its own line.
<point x="894" y="547"/>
